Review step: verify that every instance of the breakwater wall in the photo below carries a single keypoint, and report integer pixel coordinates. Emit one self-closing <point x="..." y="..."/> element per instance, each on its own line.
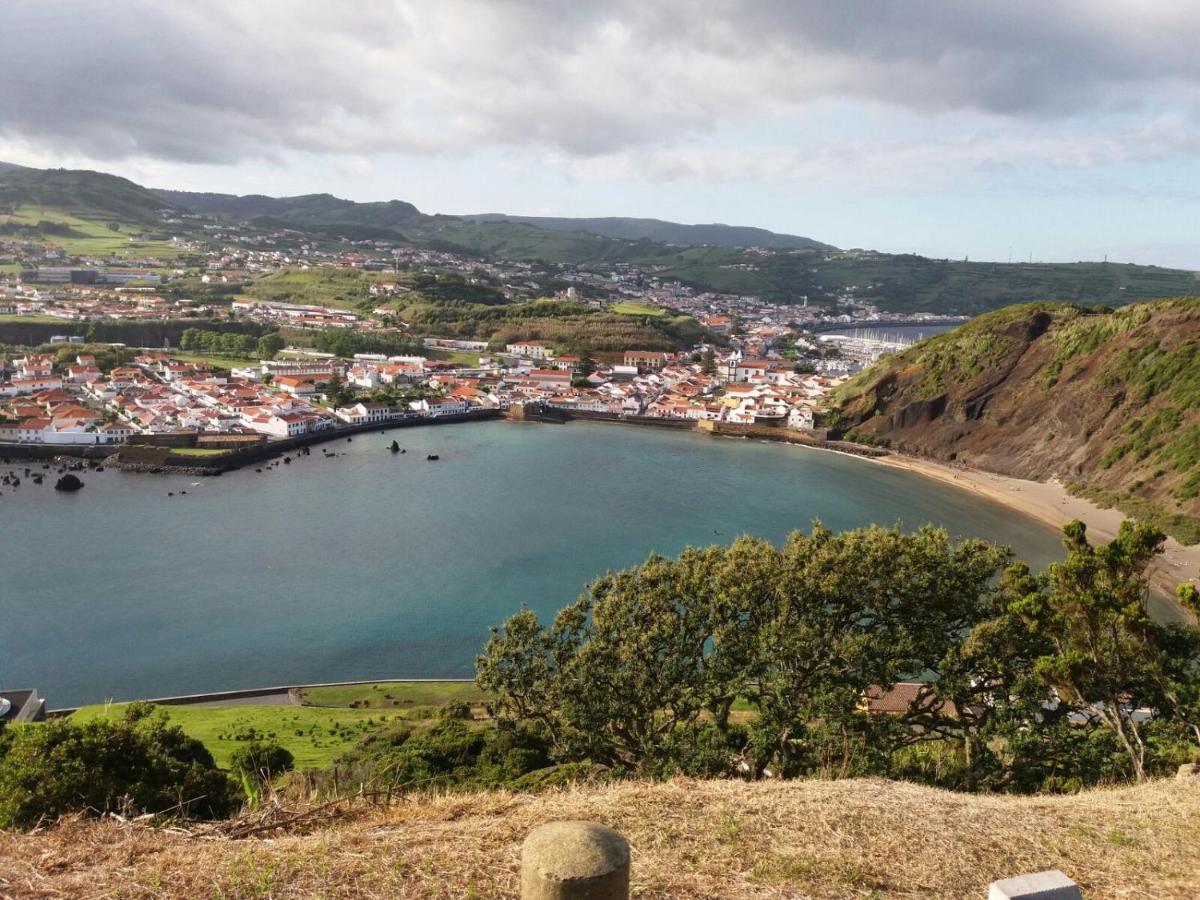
<point x="537" y="412"/>
<point x="135" y="458"/>
<point x="655" y="421"/>
<point x="817" y="439"/>
<point x="154" y="457"/>
<point x="96" y="452"/>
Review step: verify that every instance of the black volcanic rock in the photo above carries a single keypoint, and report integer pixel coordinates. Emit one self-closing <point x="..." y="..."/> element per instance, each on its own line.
<point x="68" y="483"/>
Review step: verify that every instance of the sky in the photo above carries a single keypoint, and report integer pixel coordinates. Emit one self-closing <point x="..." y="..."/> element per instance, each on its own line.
<point x="952" y="128"/>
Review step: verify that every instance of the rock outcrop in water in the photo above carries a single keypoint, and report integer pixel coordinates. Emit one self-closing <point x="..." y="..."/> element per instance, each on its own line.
<point x="68" y="483"/>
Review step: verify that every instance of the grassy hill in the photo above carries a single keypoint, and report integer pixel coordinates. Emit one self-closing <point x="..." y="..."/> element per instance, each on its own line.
<point x="75" y="206"/>
<point x="1107" y="400"/>
<point x="658" y="230"/>
<point x="690" y="840"/>
<point x="309" y="210"/>
<point x="87" y="195"/>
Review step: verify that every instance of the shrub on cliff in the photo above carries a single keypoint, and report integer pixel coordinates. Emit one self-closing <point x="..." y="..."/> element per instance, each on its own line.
<point x="136" y="765"/>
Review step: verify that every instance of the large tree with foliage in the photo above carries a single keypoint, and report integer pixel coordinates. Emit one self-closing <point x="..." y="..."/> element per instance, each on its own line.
<point x="1109" y="659"/>
<point x="1024" y="681"/>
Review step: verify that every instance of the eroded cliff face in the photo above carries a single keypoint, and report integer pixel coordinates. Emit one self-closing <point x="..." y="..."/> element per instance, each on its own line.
<point x="1042" y="390"/>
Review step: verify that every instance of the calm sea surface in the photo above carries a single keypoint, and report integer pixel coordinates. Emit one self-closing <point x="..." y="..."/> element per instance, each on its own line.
<point x="375" y="565"/>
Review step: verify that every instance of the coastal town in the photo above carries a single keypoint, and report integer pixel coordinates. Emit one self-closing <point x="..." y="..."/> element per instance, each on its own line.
<point x="45" y="400"/>
<point x="264" y="376"/>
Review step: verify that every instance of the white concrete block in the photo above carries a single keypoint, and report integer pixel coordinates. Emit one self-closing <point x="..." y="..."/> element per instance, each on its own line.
<point x="1051" y="885"/>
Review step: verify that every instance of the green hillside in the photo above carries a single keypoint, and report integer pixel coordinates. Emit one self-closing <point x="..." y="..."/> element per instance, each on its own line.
<point x="1107" y="401"/>
<point x="80" y="204"/>
<point x="657" y="230"/>
<point x="87" y="195"/>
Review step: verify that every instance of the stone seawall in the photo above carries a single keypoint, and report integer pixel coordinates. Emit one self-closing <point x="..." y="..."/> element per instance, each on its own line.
<point x="148" y="458"/>
<point x="657" y="421"/>
<point x="555" y="415"/>
<point x="816" y="440"/>
<point x="237" y="459"/>
<point x="96" y="452"/>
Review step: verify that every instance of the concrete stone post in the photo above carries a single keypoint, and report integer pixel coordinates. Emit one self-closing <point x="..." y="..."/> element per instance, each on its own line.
<point x="575" y="861"/>
<point x="1050" y="885"/>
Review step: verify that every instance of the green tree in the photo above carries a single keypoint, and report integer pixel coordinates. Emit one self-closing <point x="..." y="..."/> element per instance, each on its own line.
<point x="855" y="611"/>
<point x="269" y="345"/>
<point x="337" y="392"/>
<point x="1109" y="658"/>
<point x="638" y="669"/>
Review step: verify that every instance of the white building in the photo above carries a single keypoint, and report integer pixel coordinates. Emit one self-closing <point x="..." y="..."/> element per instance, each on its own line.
<point x="530" y="349"/>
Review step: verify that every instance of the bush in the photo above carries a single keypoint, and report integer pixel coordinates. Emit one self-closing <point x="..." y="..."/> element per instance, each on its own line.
<point x="446" y="755"/>
<point x="262" y="761"/>
<point x="455" y="710"/>
<point x="136" y="765"/>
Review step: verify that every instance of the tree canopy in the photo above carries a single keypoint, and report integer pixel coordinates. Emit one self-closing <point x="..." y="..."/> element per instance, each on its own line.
<point x="871" y="651"/>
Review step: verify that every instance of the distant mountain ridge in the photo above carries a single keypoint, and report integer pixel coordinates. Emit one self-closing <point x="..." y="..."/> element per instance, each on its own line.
<point x="301" y="211"/>
<point x="326" y="210"/>
<point x="630" y="229"/>
<point x="791" y="270"/>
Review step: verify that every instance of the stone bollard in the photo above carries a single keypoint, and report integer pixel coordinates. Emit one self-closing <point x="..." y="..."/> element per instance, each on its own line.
<point x="1051" y="885"/>
<point x="574" y="861"/>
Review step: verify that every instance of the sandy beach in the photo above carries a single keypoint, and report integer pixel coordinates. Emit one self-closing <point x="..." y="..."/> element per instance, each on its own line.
<point x="1050" y="502"/>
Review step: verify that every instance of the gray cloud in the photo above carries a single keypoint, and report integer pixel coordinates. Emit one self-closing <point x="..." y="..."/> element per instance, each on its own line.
<point x="223" y="80"/>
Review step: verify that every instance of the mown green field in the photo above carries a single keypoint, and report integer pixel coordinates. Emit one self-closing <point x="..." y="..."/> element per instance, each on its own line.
<point x="315" y="736"/>
<point x="460" y="357"/>
<point x="91" y="237"/>
<point x="395" y="694"/>
<point x="198" y="451"/>
<point x="316" y="733"/>
<point x="637" y="309"/>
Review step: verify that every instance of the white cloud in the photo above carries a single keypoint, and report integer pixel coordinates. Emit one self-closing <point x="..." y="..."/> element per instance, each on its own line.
<point x="909" y="163"/>
<point x="593" y="84"/>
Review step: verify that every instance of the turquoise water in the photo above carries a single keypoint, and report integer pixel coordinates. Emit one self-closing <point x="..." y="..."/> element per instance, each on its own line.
<point x="379" y="565"/>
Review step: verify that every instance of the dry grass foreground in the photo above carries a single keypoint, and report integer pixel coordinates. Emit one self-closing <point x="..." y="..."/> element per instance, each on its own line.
<point x="691" y="839"/>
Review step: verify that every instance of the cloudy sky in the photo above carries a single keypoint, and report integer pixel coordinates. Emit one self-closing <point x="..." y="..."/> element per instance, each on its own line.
<point x="1063" y="130"/>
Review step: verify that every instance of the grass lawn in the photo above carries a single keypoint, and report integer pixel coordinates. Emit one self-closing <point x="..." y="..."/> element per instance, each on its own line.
<point x="395" y="694"/>
<point x="461" y="357"/>
<point x="637" y="309"/>
<point x="93" y="237"/>
<point x="199" y="451"/>
<point x="314" y="735"/>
